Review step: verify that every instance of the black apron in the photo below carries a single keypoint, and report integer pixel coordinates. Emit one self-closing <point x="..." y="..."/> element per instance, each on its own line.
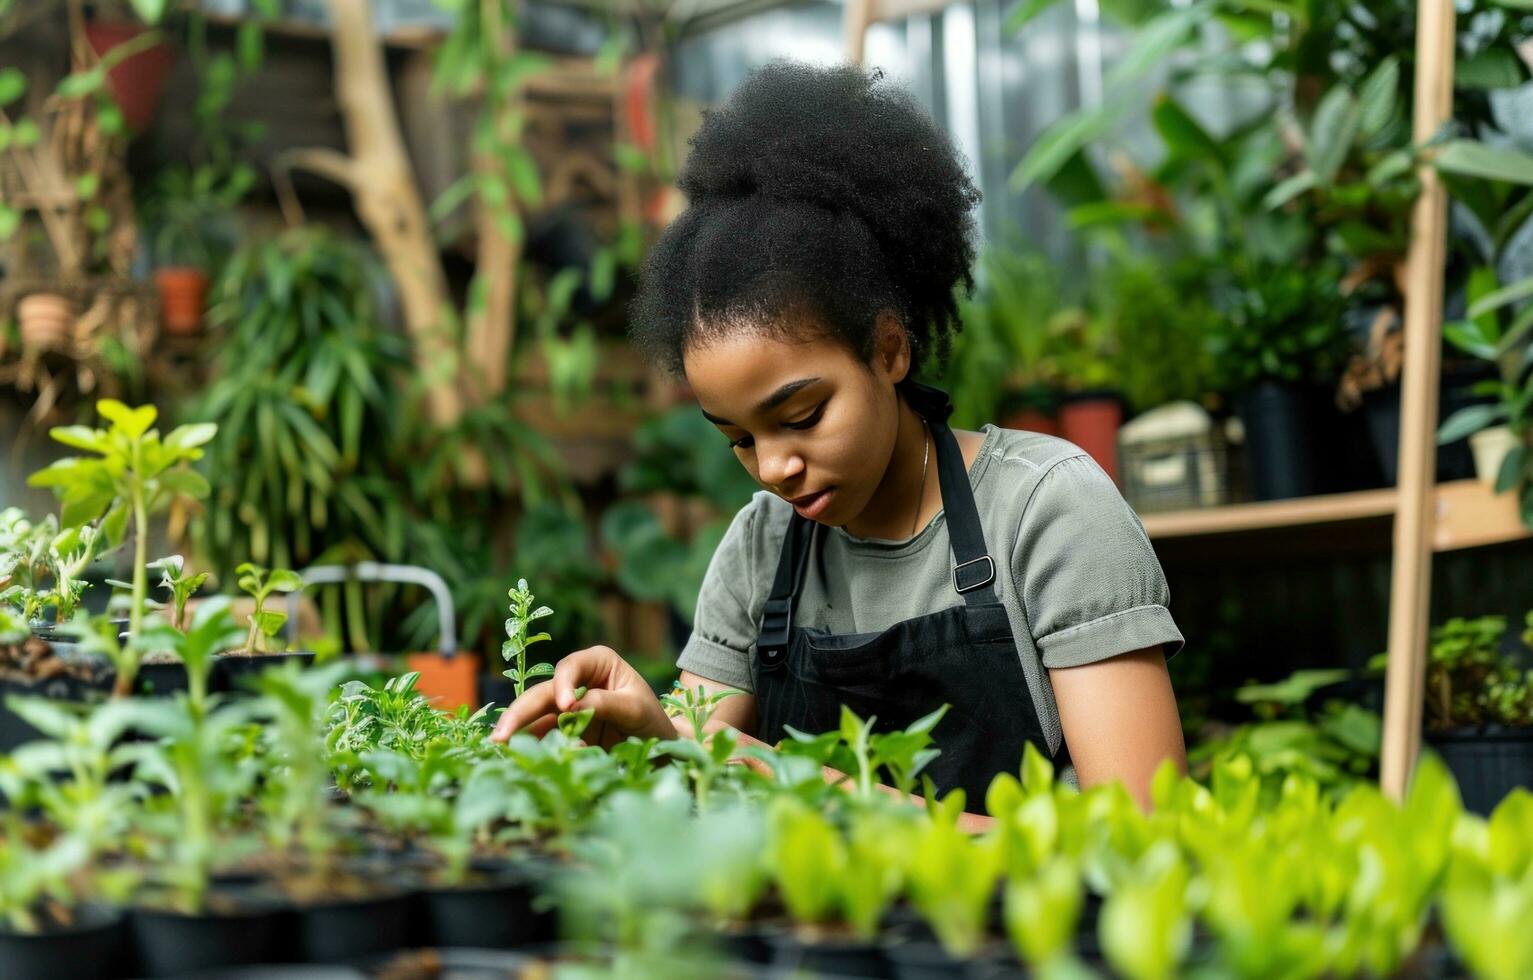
<point x="964" y="656"/>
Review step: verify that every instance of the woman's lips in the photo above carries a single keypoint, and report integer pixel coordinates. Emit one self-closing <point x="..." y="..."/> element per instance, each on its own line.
<point x="812" y="505"/>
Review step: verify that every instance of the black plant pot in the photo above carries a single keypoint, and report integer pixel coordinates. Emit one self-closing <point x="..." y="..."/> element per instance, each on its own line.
<point x="234" y="672"/>
<point x="335" y="931"/>
<point x="14" y="731"/>
<point x="1381" y="413"/>
<point x="1282" y="445"/>
<point x="496" y="914"/>
<point x="749" y="942"/>
<point x="161" y="678"/>
<point x="1486" y="762"/>
<point x="93" y="948"/>
<point x="836" y="957"/>
<point x="170" y="943"/>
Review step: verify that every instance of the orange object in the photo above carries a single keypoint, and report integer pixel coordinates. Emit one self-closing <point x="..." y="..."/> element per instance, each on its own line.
<point x="1092" y="424"/>
<point x="183" y="297"/>
<point x="448" y="681"/>
<point x="1032" y="420"/>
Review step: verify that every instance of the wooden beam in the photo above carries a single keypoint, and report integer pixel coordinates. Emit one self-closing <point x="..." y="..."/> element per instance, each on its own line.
<point x="858" y="15"/>
<point x="1410" y="591"/>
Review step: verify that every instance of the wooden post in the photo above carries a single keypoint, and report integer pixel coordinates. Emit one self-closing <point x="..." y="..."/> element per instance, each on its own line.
<point x="1410" y="591"/>
<point x="855" y="22"/>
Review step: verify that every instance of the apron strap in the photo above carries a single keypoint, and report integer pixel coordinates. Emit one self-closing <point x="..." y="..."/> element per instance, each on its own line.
<point x="777" y="617"/>
<point x="973" y="566"/>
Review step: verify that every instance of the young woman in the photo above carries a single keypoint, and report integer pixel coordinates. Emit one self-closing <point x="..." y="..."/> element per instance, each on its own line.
<point x="890" y="563"/>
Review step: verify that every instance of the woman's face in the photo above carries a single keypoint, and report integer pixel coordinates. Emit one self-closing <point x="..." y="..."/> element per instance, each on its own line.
<point x="810" y="421"/>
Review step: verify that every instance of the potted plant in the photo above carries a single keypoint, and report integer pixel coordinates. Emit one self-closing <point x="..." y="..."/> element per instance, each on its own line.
<point x="1479" y="709"/>
<point x="140" y="57"/>
<point x="1278" y="349"/>
<point x="133" y="474"/>
<point x="190" y="214"/>
<point x="1091" y="408"/>
<point x="1500" y="431"/>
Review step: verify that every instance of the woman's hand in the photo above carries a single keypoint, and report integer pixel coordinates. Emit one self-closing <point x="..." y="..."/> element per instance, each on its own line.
<point x="622" y="700"/>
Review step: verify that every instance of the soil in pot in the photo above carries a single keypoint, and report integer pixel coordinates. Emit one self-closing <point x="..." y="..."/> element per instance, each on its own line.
<point x="1487" y="763"/>
<point x="183" y="298"/>
<point x="488" y="911"/>
<point x="240" y="927"/>
<point x="90" y="945"/>
<point x="35" y="668"/>
<point x="835" y="955"/>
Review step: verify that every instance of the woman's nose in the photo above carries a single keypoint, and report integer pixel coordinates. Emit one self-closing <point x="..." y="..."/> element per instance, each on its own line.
<point x="777" y="466"/>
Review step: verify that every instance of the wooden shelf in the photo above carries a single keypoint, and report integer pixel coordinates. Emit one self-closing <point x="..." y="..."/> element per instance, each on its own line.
<point x="1468" y="516"/>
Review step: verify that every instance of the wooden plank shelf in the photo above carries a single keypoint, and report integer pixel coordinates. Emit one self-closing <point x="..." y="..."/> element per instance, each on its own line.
<point x="1467" y="515"/>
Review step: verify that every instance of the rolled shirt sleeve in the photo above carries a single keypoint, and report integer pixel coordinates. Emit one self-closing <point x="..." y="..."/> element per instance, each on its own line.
<point x="1089" y="579"/>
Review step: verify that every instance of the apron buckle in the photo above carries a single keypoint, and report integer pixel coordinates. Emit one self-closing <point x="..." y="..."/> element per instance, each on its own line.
<point x="977" y="579"/>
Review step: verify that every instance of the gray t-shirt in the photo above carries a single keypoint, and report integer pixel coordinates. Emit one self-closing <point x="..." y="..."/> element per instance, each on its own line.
<point x="1082" y="582"/>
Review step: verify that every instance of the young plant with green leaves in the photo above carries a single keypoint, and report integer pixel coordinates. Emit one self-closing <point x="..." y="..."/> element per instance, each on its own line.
<point x="952" y="876"/>
<point x="24" y="554"/>
<point x="519" y="637"/>
<point x="706" y="754"/>
<point x="260" y="584"/>
<point x="213" y="630"/>
<point x="133" y="474"/>
<point x="182" y="586"/>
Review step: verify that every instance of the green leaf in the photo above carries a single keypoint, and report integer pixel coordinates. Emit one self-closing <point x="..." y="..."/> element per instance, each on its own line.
<point x="115" y="523"/>
<point x="269" y="621"/>
<point x="1025" y="12"/>
<point x="1505" y="296"/>
<point x="80" y="437"/>
<point x="191" y="436"/>
<point x="1183" y="134"/>
<point x="1474" y="159"/>
<point x="185" y="482"/>
<point x="12" y="85"/>
<point x="284" y="580"/>
<point x="134" y="422"/>
<point x="149" y="11"/>
<point x="1467" y="421"/>
<point x="1378" y="96"/>
<point x="1289" y="189"/>
<point x="1493" y="68"/>
<point x="1511" y="469"/>
<point x="10" y="218"/>
<point x="81" y="84"/>
<point x="1331" y="133"/>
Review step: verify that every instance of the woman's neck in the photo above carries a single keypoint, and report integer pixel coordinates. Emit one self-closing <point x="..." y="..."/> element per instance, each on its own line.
<point x="894" y="508"/>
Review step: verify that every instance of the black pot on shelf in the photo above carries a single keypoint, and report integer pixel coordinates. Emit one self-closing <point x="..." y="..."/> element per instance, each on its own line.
<point x="1381" y="413"/>
<point x="251" y="931"/>
<point x="927" y="960"/>
<point x="94" y="947"/>
<point x="1282" y="449"/>
<point x="1487" y="763"/>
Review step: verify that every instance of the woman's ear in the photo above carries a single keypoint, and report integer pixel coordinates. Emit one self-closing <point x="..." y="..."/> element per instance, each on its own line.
<point x="891" y="347"/>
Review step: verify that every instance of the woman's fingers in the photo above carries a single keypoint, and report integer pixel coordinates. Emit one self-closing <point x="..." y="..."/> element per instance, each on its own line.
<point x="534" y="703"/>
<point x="588" y="668"/>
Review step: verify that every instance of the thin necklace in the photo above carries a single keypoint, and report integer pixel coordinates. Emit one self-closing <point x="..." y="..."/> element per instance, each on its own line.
<point x="926" y="449"/>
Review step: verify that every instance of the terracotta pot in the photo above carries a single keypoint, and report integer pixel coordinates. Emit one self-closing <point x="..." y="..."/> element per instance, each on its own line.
<point x="1033" y="420"/>
<point x="1092" y="423"/>
<point x="183" y="298"/>
<point x="136" y="81"/>
<point x="46" y="321"/>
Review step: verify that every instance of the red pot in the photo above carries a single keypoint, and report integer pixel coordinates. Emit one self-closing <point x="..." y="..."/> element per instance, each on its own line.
<point x="183" y="298"/>
<point x="1092" y="423"/>
<point x="1032" y="420"/>
<point x="136" y="81"/>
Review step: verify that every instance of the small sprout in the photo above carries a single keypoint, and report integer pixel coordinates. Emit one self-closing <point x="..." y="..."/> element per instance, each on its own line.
<point x="260" y="584"/>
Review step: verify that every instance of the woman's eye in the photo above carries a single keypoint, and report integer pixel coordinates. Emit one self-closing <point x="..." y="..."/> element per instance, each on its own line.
<point x="808" y="421"/>
<point x="744" y="442"/>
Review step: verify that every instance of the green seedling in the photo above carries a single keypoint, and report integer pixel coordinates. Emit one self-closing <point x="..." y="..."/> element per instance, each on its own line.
<point x="260" y="584"/>
<point x="173" y="577"/>
<point x="519" y="637"/>
<point x="133" y="475"/>
<point x="213" y="630"/>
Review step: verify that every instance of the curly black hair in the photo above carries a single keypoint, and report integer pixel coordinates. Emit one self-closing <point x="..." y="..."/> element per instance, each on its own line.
<point x="812" y="191"/>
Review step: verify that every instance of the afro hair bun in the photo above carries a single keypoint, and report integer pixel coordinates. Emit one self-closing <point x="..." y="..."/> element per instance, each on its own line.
<point x="817" y="187"/>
